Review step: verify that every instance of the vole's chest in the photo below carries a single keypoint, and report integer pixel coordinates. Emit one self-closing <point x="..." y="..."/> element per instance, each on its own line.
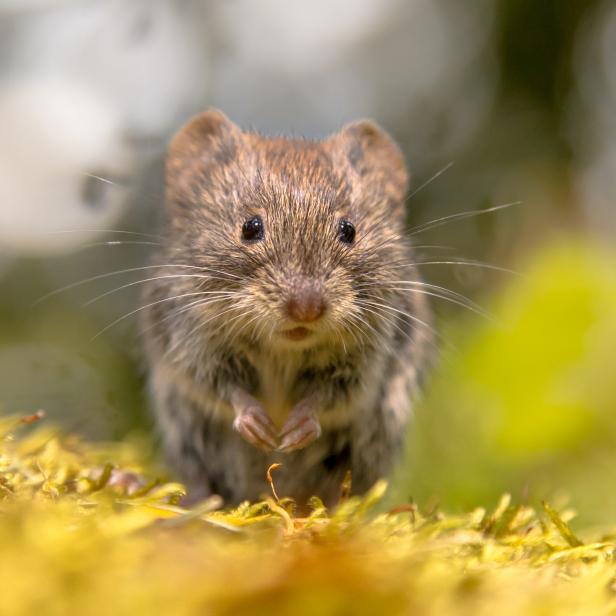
<point x="277" y="382"/>
<point x="284" y="380"/>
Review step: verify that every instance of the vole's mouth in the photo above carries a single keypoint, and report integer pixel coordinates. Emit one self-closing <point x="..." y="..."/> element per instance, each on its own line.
<point x="297" y="333"/>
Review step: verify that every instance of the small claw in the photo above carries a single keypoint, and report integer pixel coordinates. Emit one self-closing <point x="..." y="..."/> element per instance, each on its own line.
<point x="254" y="436"/>
<point x="299" y="432"/>
<point x="295" y="442"/>
<point x="294" y="422"/>
<point x="126" y="480"/>
<point x="257" y="428"/>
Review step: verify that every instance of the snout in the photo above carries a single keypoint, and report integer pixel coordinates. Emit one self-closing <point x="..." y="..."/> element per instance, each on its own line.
<point x="306" y="301"/>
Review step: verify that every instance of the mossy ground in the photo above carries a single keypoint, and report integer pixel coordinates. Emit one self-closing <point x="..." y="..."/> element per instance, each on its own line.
<point x="75" y="542"/>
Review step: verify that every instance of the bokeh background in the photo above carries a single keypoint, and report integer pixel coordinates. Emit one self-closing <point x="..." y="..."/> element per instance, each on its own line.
<point x="493" y="102"/>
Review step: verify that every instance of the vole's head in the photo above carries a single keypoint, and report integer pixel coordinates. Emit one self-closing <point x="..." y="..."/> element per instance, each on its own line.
<point x="298" y="240"/>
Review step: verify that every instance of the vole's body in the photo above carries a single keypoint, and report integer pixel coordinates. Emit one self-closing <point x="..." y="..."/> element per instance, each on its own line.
<point x="301" y="331"/>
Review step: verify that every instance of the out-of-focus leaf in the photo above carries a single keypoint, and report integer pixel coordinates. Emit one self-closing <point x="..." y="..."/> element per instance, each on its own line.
<point x="527" y="404"/>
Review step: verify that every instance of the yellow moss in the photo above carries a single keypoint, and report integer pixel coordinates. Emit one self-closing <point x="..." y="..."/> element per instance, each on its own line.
<point x="74" y="543"/>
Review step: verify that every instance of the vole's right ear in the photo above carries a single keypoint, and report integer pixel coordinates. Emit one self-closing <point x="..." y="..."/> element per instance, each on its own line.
<point x="374" y="159"/>
<point x="207" y="141"/>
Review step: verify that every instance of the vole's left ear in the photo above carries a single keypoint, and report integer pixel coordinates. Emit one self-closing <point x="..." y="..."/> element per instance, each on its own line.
<point x="374" y="157"/>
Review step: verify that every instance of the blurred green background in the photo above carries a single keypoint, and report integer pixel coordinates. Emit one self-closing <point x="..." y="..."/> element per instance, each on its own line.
<point x="512" y="100"/>
<point x="526" y="403"/>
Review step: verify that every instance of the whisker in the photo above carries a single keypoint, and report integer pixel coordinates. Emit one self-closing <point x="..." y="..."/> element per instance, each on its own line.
<point x="175" y="313"/>
<point x="146" y="280"/>
<point x="403" y="313"/>
<point x="377" y="335"/>
<point x="124" y="271"/>
<point x="471" y="263"/>
<point x="199" y="325"/>
<point x="417" y="247"/>
<point x="228" y="330"/>
<point x="270" y="334"/>
<point x="359" y="340"/>
<point x="430" y="339"/>
<point x="201" y="302"/>
<point x="390" y="321"/>
<point x="496" y="268"/>
<point x="469" y="306"/>
<point x="133" y="312"/>
<point x="459" y="216"/>
<point x="118" y="231"/>
<point x="344" y="348"/>
<point x="237" y="320"/>
<point x="262" y="329"/>
<point x="120" y="243"/>
<point x="243" y="326"/>
<point x="420" y="283"/>
<point x="151" y="196"/>
<point x="448" y="166"/>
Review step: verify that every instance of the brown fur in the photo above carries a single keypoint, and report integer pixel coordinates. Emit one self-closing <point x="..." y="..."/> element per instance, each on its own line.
<point x="364" y="362"/>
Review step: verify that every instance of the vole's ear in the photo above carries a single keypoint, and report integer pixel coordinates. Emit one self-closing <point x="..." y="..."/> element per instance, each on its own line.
<point x="207" y="141"/>
<point x="374" y="157"/>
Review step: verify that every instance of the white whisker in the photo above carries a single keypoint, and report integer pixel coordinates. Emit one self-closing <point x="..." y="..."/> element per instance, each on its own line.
<point x="403" y="313"/>
<point x="175" y="313"/>
<point x="118" y="231"/>
<point x="146" y="280"/>
<point x="470" y="263"/>
<point x="121" y="243"/>
<point x="133" y="312"/>
<point x="421" y="283"/>
<point x="459" y="216"/>
<point x="129" y="270"/>
<point x="431" y="179"/>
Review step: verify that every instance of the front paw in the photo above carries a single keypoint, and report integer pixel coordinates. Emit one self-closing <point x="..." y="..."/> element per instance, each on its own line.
<point x="301" y="429"/>
<point x="255" y="427"/>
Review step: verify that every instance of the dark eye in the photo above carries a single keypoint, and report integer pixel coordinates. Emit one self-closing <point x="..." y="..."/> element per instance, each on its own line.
<point x="253" y="229"/>
<point x="346" y="232"/>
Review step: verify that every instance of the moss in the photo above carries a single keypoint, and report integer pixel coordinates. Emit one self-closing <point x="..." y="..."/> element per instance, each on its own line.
<point x="88" y="529"/>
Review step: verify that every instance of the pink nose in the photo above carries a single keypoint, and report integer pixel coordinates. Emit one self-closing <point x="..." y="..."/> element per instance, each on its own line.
<point x="306" y="303"/>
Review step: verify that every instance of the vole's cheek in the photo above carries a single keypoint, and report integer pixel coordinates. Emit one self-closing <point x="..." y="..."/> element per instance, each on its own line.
<point x="259" y="302"/>
<point x="339" y="287"/>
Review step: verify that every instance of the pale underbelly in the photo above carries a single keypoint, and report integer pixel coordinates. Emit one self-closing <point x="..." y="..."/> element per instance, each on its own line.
<point x="277" y="409"/>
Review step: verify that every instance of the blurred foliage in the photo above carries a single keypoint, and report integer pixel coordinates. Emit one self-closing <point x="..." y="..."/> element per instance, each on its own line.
<point x="50" y="359"/>
<point x="84" y="531"/>
<point x="526" y="403"/>
<point x="535" y="42"/>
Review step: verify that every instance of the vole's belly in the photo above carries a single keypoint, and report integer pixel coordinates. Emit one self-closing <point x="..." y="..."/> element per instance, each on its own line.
<point x="275" y="385"/>
<point x="277" y="408"/>
<point x="275" y="395"/>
